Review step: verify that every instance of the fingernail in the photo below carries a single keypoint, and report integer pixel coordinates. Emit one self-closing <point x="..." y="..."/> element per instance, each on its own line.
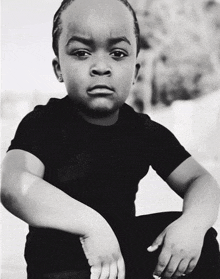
<point x="156" y="277"/>
<point x="152" y="248"/>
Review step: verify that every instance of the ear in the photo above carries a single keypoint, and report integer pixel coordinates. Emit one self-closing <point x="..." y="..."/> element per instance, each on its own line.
<point x="137" y="68"/>
<point x="57" y="69"/>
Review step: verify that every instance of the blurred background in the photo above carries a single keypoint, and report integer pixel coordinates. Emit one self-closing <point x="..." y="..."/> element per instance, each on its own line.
<point x="178" y="86"/>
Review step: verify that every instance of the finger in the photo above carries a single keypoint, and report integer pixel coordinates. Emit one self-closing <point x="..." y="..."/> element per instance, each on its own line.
<point x="113" y="271"/>
<point x="172" y="267"/>
<point x="105" y="272"/>
<point x="181" y="270"/>
<point x="157" y="242"/>
<point x="163" y="261"/>
<point x="191" y="266"/>
<point x="95" y="271"/>
<point x="121" y="268"/>
<point x="152" y="248"/>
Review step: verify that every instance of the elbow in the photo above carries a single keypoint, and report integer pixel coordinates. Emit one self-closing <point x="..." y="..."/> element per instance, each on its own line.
<point x="12" y="191"/>
<point x="19" y="198"/>
<point x="6" y="193"/>
<point x="9" y="198"/>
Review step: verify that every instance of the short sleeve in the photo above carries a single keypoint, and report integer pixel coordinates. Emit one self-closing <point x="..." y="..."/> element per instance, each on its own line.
<point x="166" y="151"/>
<point x="32" y="136"/>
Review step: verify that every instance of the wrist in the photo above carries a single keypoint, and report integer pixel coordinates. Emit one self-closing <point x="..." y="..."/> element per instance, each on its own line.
<point x="91" y="222"/>
<point x="195" y="221"/>
<point x="96" y="225"/>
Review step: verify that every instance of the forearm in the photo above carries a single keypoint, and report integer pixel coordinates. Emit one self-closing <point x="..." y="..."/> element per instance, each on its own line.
<point x="201" y="201"/>
<point x="42" y="205"/>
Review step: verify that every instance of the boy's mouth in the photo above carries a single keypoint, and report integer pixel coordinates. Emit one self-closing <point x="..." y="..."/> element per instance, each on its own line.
<point x="100" y="89"/>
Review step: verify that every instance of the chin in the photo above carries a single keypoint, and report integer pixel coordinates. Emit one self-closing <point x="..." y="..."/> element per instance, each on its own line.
<point x="99" y="110"/>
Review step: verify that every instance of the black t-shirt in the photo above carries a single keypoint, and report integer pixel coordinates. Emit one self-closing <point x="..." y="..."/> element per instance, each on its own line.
<point x="100" y="166"/>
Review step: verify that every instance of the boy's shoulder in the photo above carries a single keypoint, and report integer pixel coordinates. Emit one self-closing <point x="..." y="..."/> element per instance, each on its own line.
<point x="53" y="106"/>
<point x="40" y="128"/>
<point x="147" y="127"/>
<point x="131" y="114"/>
<point x="142" y="119"/>
<point x="53" y="111"/>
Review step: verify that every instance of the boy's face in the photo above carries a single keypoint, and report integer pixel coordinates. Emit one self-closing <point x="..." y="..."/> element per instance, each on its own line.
<point x="97" y="56"/>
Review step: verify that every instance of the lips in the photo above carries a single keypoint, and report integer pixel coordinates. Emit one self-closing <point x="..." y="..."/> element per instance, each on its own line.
<point x="100" y="89"/>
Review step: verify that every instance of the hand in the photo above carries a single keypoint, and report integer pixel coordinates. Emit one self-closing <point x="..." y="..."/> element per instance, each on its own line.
<point x="102" y="250"/>
<point x="181" y="248"/>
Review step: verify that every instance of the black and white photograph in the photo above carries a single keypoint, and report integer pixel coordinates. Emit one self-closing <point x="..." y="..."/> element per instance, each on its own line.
<point x="110" y="139"/>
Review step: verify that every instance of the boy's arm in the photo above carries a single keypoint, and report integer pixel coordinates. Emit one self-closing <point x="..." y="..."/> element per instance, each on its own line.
<point x="200" y="191"/>
<point x="26" y="195"/>
<point x="183" y="239"/>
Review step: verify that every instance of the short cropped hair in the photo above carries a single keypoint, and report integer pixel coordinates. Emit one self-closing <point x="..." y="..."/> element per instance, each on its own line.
<point x="57" y="24"/>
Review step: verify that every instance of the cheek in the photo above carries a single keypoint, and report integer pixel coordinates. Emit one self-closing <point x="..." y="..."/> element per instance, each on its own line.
<point x="128" y="69"/>
<point x="75" y="75"/>
<point x="127" y="76"/>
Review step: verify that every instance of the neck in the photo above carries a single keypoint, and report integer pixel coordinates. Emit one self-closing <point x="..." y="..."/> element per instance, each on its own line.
<point x="102" y="121"/>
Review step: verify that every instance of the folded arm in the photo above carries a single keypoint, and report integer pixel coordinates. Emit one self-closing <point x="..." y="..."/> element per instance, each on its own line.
<point x="25" y="194"/>
<point x="28" y="196"/>
<point x="182" y="240"/>
<point x="200" y="192"/>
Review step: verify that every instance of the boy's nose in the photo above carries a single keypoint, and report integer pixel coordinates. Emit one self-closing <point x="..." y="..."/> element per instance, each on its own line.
<point x="100" y="69"/>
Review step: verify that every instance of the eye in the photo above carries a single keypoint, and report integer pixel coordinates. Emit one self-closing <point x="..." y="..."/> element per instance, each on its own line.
<point x="118" y="54"/>
<point x="81" y="53"/>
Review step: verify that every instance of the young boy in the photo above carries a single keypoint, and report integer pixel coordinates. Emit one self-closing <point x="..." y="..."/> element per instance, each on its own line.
<point x="73" y="168"/>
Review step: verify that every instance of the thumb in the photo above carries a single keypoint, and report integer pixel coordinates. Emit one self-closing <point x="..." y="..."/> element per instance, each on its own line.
<point x="157" y="242"/>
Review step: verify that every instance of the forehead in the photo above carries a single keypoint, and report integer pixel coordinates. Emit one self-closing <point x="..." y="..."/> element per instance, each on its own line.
<point x="97" y="18"/>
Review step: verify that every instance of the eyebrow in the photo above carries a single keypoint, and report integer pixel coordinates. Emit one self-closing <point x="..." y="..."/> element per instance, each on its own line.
<point x="83" y="40"/>
<point x="90" y="42"/>
<point x="116" y="40"/>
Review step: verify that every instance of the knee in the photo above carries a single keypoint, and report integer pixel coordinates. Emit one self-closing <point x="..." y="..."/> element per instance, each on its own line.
<point x="210" y="242"/>
<point x="209" y="263"/>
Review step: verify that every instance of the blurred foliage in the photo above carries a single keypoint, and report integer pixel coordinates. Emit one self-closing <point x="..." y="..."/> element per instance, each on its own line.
<point x="183" y="37"/>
